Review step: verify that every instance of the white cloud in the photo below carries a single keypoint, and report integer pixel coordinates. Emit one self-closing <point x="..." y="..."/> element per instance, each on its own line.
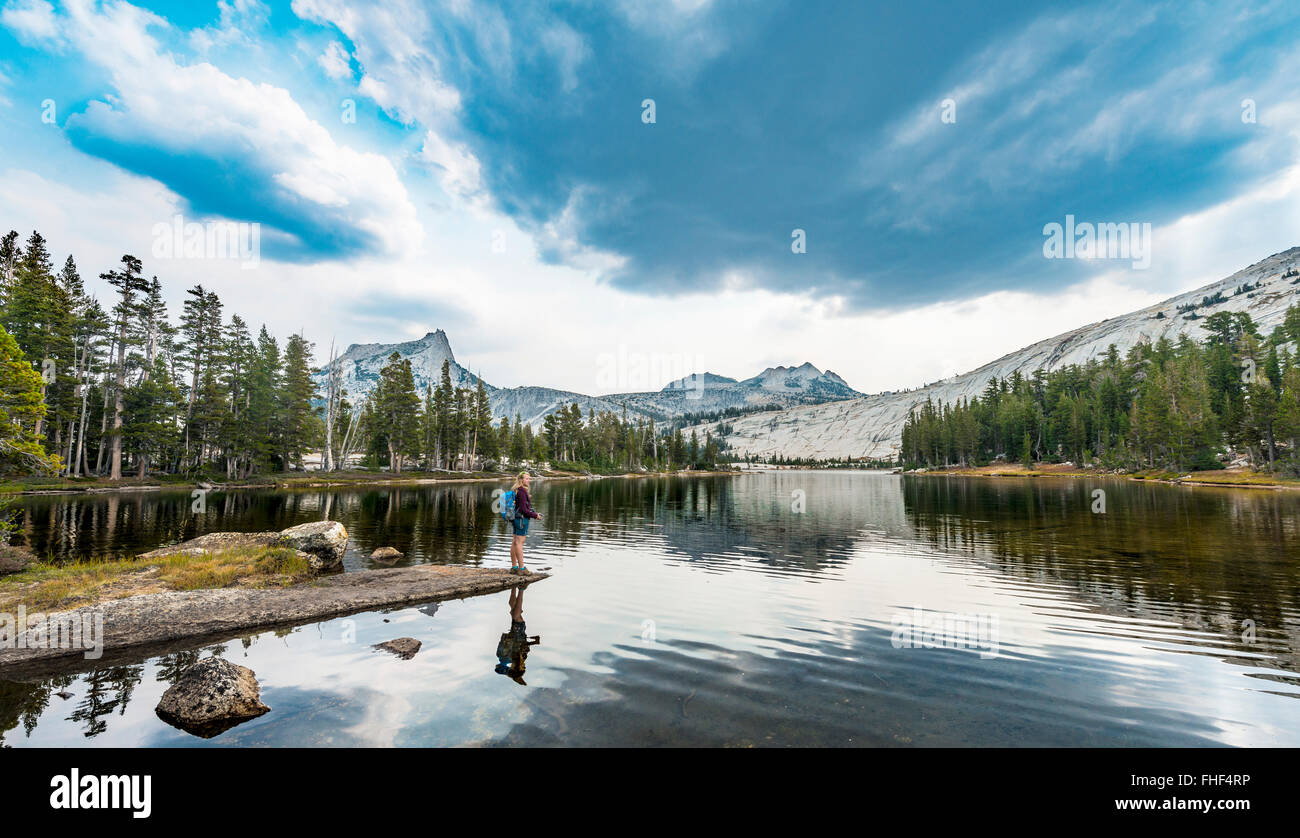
<point x="736" y="331"/>
<point x="458" y="170"/>
<point x="398" y="71"/>
<point x="32" y="21"/>
<point x="334" y="61"/>
<point x="256" y="133"/>
<point x="237" y="20"/>
<point x="1051" y="99"/>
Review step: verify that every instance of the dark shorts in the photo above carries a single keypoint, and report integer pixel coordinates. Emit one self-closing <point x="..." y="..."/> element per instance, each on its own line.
<point x="521" y="525"/>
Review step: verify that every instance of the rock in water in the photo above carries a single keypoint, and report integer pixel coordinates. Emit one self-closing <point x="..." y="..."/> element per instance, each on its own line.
<point x="326" y="540"/>
<point x="211" y="697"/>
<point x="386" y="554"/>
<point x="404" y="647"/>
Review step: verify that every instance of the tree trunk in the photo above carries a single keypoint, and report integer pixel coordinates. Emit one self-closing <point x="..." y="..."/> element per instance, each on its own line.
<point x="115" y="461"/>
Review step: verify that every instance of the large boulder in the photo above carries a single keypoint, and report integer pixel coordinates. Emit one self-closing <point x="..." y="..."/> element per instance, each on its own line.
<point x="211" y="697"/>
<point x="327" y="541"/>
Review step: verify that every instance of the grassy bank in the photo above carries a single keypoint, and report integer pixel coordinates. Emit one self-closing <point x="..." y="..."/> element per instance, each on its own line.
<point x="1221" y="477"/>
<point x="50" y="587"/>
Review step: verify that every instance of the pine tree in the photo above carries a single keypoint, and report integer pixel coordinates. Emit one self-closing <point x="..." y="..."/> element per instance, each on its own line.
<point x="396" y="411"/>
<point x="20" y="409"/>
<point x="129" y="284"/>
<point x="298" y="422"/>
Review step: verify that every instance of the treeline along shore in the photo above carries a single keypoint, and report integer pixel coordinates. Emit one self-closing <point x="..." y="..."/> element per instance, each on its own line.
<point x="117" y="393"/>
<point x="1226" y="399"/>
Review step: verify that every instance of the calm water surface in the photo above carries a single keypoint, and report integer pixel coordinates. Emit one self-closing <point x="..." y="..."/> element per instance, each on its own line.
<point x="710" y="611"/>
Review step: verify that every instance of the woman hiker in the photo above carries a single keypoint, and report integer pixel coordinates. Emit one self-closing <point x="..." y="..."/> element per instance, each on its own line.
<point x="523" y="513"/>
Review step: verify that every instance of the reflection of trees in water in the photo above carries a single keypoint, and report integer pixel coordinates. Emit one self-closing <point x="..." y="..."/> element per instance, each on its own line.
<point x="107" y="691"/>
<point x="124" y="524"/>
<point x="23" y="703"/>
<point x="171" y="665"/>
<point x="438" y="525"/>
<point x="97" y="526"/>
<point x="1206" y="557"/>
<point x="698" y="516"/>
<point x="711" y="517"/>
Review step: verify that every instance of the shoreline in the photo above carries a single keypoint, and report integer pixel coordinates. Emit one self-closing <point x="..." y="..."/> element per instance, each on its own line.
<point x="301" y="480"/>
<point x="149" y="624"/>
<point x="1221" y="479"/>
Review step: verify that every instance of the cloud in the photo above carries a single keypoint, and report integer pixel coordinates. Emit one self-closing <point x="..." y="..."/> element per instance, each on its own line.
<point x="457" y="169"/>
<point x="335" y="61"/>
<point x="237" y="21"/>
<point x="1074" y="98"/>
<point x="569" y="51"/>
<point x="231" y="147"/>
<point x="398" y="71"/>
<point x="31" y="21"/>
<point x="774" y="117"/>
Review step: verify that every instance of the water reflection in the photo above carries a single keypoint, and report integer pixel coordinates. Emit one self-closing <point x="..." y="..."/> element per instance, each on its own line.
<point x="1221" y="561"/>
<point x="513" y="647"/>
<point x="771" y="600"/>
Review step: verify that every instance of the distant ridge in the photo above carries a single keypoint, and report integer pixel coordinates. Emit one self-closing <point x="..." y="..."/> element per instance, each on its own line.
<point x="693" y="394"/>
<point x="871" y="426"/>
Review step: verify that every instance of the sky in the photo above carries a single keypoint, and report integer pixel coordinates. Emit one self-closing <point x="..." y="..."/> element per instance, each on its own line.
<point x="677" y="185"/>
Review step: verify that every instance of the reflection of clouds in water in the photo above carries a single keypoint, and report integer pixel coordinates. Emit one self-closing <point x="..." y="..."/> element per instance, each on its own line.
<point x="824" y="694"/>
<point x="773" y="626"/>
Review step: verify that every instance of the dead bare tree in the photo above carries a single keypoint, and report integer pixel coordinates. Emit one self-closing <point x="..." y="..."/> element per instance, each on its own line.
<point x="333" y="403"/>
<point x="349" y="437"/>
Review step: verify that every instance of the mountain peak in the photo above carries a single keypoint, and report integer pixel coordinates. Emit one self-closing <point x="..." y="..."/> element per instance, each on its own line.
<point x="804" y="378"/>
<point x="362" y="362"/>
<point x="697" y="380"/>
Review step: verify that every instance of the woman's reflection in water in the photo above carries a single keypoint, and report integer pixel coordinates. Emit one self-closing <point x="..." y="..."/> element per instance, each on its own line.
<point x="512" y="651"/>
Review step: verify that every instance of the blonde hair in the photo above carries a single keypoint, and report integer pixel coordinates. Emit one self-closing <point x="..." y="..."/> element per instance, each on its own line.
<point x="519" y="481"/>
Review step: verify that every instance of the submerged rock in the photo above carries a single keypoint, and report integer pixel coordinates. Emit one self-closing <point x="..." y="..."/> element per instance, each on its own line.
<point x="326" y="540"/>
<point x="386" y="554"/>
<point x="211" y="697"/>
<point x="404" y="647"/>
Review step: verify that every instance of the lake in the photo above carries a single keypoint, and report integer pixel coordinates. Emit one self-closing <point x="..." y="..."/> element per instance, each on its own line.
<point x="774" y="608"/>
